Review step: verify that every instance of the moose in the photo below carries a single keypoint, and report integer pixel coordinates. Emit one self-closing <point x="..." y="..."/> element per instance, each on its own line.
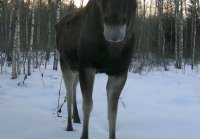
<point x="98" y="38"/>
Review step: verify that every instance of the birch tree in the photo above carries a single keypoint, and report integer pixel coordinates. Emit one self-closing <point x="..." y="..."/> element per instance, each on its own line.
<point x="81" y="3"/>
<point x="1" y="5"/>
<point x="25" y="65"/>
<point x="161" y="35"/>
<point x="1" y="9"/>
<point x="185" y="32"/>
<point x="31" y="37"/>
<point x="49" y="33"/>
<point x="176" y="30"/>
<point x="38" y="35"/>
<point x="58" y="12"/>
<point x="194" y="30"/>
<point x="1" y="35"/>
<point x="1" y="20"/>
<point x="10" y="28"/>
<point x="143" y="10"/>
<point x="16" y="47"/>
<point x="180" y="35"/>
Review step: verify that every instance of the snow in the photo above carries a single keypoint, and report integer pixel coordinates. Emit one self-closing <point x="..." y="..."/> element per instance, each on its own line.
<point x="158" y="105"/>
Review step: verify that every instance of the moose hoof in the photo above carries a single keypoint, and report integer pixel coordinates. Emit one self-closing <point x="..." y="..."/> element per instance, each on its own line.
<point x="84" y="137"/>
<point x="69" y="128"/>
<point x="77" y="120"/>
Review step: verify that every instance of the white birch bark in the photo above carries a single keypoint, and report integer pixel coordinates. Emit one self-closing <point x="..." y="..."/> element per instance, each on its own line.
<point x="186" y="30"/>
<point x="1" y="5"/>
<point x="194" y="32"/>
<point x="16" y="44"/>
<point x="31" y="37"/>
<point x="10" y="28"/>
<point x="141" y="27"/>
<point x="49" y="34"/>
<point x="198" y="6"/>
<point x="38" y="36"/>
<point x="161" y="35"/>
<point x="58" y="12"/>
<point x="1" y="22"/>
<point x="27" y="45"/>
<point x="81" y="3"/>
<point x="180" y="61"/>
<point x="176" y="30"/>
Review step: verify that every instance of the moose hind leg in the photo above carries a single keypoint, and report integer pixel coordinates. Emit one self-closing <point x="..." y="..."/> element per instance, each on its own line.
<point x="76" y="117"/>
<point x="114" y="87"/>
<point x="69" y="78"/>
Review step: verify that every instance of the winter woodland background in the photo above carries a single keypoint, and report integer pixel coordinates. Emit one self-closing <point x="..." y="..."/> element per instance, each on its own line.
<point x="162" y="105"/>
<point x="167" y="33"/>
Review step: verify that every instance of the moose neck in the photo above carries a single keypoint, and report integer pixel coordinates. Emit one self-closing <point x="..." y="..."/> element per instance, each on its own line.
<point x="94" y="17"/>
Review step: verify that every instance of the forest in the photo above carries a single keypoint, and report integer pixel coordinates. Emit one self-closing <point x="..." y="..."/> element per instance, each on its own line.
<point x="167" y="34"/>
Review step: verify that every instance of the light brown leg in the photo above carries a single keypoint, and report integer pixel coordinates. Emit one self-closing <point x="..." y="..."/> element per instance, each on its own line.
<point x="114" y="87"/>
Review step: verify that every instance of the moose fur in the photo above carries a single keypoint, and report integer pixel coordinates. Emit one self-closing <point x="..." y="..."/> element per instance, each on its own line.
<point x="98" y="38"/>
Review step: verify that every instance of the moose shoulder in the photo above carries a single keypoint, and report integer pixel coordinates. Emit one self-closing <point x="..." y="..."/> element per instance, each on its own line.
<point x="98" y="38"/>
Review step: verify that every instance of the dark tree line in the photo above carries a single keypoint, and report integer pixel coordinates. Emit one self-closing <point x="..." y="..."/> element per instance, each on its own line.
<point x="167" y="32"/>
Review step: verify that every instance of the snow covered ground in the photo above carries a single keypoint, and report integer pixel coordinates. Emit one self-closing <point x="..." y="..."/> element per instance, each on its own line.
<point x="159" y="105"/>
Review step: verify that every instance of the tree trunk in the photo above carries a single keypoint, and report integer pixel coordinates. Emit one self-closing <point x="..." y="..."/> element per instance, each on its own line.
<point x="49" y="35"/>
<point x="1" y="24"/>
<point x="180" y="61"/>
<point x="81" y="3"/>
<point x="55" y="63"/>
<point x="38" y="38"/>
<point x="16" y="47"/>
<point x="1" y="5"/>
<point x="31" y="37"/>
<point x="161" y="35"/>
<point x="194" y="31"/>
<point x="176" y="32"/>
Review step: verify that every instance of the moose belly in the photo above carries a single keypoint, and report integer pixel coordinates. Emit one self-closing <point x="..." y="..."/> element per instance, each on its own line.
<point x="110" y="67"/>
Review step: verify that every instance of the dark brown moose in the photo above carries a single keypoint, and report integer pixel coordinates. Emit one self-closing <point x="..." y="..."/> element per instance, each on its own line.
<point x="98" y="38"/>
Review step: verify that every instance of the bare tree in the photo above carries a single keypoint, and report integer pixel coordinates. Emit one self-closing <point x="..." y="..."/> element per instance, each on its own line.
<point x="1" y="34"/>
<point x="16" y="47"/>
<point x="49" y="33"/>
<point x="161" y="34"/>
<point x="1" y="19"/>
<point x="31" y="37"/>
<point x="180" y="19"/>
<point x="1" y="5"/>
<point x="81" y="3"/>
<point x="10" y="27"/>
<point x="58" y="10"/>
<point x="179" y="33"/>
<point x="194" y="30"/>
<point x="36" y="65"/>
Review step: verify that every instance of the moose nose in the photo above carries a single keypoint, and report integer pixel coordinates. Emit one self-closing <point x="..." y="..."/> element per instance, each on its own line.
<point x="114" y="19"/>
<point x="114" y="33"/>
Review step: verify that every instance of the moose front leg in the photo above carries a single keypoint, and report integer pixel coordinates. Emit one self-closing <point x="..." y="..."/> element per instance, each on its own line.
<point x="86" y="77"/>
<point x="114" y="87"/>
<point x="75" y="109"/>
<point x="68" y="77"/>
